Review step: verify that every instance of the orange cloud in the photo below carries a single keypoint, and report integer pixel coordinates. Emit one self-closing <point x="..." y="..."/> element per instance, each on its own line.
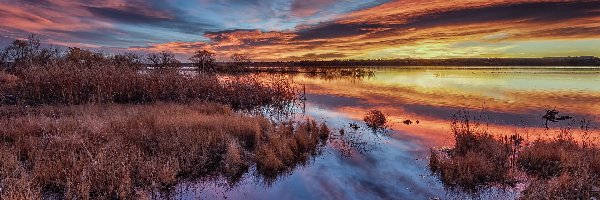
<point x="36" y="20"/>
<point x="421" y="29"/>
<point x="396" y="29"/>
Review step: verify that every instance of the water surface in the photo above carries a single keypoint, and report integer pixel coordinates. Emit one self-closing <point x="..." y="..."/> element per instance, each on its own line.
<point x="392" y="165"/>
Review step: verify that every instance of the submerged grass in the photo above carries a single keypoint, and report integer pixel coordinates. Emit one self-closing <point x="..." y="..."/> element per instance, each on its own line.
<point x="122" y="151"/>
<point x="375" y="119"/>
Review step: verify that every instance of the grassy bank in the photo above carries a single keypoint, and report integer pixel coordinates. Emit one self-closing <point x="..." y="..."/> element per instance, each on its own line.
<point x="559" y="168"/>
<point x="32" y="75"/>
<point x="69" y="85"/>
<point x="110" y="151"/>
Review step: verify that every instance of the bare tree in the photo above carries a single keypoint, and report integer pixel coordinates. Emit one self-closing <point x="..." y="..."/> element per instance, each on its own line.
<point x="20" y="53"/>
<point x="203" y="60"/>
<point x="84" y="57"/>
<point x="127" y="60"/>
<point x="4" y="60"/>
<point x="162" y="60"/>
<point x="47" y="57"/>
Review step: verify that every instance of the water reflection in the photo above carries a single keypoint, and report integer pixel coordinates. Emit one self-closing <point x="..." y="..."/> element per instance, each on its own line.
<point x="513" y="98"/>
<point x="357" y="164"/>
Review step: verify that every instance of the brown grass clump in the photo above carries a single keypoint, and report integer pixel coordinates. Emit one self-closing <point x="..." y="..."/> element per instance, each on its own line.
<point x="564" y="186"/>
<point x="375" y="119"/>
<point x="292" y="145"/>
<point x="562" y="169"/>
<point x="546" y="159"/>
<point x="478" y="159"/>
<point x="8" y="80"/>
<point x="118" y="151"/>
<point x="7" y="83"/>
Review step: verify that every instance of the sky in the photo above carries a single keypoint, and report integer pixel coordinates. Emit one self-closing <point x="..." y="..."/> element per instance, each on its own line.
<point x="271" y="30"/>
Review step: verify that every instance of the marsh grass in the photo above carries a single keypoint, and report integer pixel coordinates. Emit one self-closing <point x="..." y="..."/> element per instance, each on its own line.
<point x="558" y="168"/>
<point x="32" y="75"/>
<point x="70" y="85"/>
<point x="561" y="168"/>
<point x="477" y="159"/>
<point x="119" y="151"/>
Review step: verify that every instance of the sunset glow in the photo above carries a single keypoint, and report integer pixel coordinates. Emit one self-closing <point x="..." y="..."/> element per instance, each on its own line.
<point x="314" y="29"/>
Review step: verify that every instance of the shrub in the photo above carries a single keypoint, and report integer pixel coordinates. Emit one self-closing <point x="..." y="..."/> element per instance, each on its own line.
<point x="375" y="119"/>
<point x="562" y="168"/>
<point x="564" y="186"/>
<point x="546" y="159"/>
<point x="477" y="159"/>
<point x="8" y="79"/>
<point x="293" y="144"/>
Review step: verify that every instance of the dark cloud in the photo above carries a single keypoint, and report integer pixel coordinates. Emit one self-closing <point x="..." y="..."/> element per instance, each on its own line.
<point x="335" y="30"/>
<point x="538" y="12"/>
<point x="309" y="7"/>
<point x="128" y="15"/>
<point x="175" y="20"/>
<point x="4" y="41"/>
<point x="564" y="32"/>
<point x="542" y="12"/>
<point x="219" y="36"/>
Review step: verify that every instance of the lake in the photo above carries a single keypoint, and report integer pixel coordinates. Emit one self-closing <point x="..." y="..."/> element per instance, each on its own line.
<point x="392" y="164"/>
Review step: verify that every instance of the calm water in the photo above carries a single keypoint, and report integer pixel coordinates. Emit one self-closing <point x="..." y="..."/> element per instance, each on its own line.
<point x="392" y="165"/>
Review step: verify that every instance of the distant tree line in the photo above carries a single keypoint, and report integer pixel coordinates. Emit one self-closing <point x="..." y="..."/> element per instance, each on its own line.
<point x="549" y="61"/>
<point x="29" y="52"/>
<point x="21" y="54"/>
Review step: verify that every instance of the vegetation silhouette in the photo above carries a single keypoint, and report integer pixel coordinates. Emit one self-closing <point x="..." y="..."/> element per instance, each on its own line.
<point x="203" y="61"/>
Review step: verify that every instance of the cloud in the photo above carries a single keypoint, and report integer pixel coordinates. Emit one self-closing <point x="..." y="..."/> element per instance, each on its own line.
<point x="128" y="15"/>
<point x="303" y="8"/>
<point x="310" y="29"/>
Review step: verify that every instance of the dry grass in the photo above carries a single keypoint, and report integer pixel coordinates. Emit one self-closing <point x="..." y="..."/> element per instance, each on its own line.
<point x="547" y="159"/>
<point x="79" y="76"/>
<point x="116" y="151"/>
<point x="561" y="168"/>
<point x="565" y="186"/>
<point x="7" y="83"/>
<point x="478" y="159"/>
<point x="68" y="85"/>
<point x="283" y="151"/>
